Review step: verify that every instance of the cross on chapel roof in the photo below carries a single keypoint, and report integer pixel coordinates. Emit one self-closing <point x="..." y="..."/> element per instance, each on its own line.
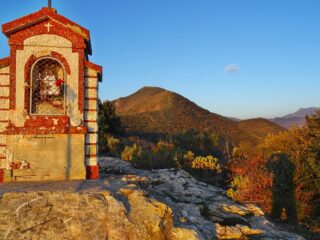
<point x="43" y="15"/>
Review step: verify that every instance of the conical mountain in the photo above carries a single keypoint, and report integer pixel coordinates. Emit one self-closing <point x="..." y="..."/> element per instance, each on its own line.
<point x="153" y="110"/>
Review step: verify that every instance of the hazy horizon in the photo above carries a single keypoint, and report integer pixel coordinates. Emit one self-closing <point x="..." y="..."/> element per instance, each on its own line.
<point x="241" y="59"/>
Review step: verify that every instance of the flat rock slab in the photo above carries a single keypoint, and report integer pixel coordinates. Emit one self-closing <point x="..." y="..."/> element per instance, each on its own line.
<point x="74" y="186"/>
<point x="128" y="203"/>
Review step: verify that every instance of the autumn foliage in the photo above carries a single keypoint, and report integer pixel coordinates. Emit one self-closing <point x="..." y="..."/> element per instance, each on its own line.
<point x="254" y="181"/>
<point x="281" y="173"/>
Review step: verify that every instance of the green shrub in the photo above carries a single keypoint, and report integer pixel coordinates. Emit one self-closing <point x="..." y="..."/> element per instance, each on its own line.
<point x="161" y="155"/>
<point x="109" y="124"/>
<point x="198" y="142"/>
<point x="145" y="160"/>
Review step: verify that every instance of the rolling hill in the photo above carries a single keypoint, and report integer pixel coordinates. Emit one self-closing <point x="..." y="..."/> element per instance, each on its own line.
<point x="294" y="119"/>
<point x="153" y="110"/>
<point x="259" y="127"/>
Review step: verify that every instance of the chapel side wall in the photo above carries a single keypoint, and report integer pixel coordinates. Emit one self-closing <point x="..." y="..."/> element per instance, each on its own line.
<point x="91" y="116"/>
<point x="4" y="113"/>
<point x="53" y="157"/>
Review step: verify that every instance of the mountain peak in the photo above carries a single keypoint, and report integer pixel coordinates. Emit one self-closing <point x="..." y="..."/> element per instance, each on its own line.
<point x="302" y="112"/>
<point x="295" y="119"/>
<point x="146" y="99"/>
<point x="151" y="90"/>
<point x="154" y="110"/>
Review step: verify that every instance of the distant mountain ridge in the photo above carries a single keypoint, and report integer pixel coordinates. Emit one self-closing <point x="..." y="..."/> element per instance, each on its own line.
<point x="153" y="110"/>
<point x="295" y="119"/>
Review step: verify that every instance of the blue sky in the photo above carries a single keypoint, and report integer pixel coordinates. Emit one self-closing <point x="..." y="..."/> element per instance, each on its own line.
<point x="240" y="58"/>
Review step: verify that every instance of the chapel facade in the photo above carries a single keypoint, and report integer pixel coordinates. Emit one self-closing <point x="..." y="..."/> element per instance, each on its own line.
<point x="48" y="100"/>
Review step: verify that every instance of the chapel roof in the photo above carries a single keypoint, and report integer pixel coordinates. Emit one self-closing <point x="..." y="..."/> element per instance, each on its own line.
<point x="43" y="15"/>
<point x="96" y="68"/>
<point x="4" y="62"/>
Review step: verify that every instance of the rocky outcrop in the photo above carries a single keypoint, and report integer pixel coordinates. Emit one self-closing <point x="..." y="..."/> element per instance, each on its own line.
<point x="127" y="203"/>
<point x="197" y="205"/>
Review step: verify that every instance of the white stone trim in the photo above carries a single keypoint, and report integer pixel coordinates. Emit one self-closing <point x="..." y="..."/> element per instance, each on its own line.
<point x="4" y="79"/>
<point x="4" y="91"/>
<point x="5" y="69"/>
<point x="91" y="161"/>
<point x="91" y="138"/>
<point x="91" y="82"/>
<point x="90" y="93"/>
<point x="91" y="116"/>
<point x="91" y="149"/>
<point x="91" y="104"/>
<point x="4" y="115"/>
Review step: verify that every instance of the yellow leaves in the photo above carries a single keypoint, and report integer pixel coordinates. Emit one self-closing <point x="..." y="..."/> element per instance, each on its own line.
<point x="188" y="157"/>
<point x="203" y="163"/>
<point x="112" y="143"/>
<point x="130" y="152"/>
<point x="162" y="145"/>
<point x="238" y="186"/>
<point x="208" y="163"/>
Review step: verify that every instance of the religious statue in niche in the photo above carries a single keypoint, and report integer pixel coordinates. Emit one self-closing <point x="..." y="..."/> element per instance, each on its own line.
<point x="47" y="88"/>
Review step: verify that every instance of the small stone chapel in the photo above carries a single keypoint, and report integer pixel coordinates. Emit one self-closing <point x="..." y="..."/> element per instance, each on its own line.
<point x="48" y="100"/>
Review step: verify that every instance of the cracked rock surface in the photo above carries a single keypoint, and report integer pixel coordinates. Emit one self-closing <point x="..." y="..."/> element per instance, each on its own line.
<point x="129" y="204"/>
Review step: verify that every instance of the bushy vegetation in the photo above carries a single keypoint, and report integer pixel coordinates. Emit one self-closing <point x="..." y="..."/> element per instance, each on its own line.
<point x="206" y="163"/>
<point x="282" y="173"/>
<point x="130" y="153"/>
<point x="239" y="188"/>
<point x="194" y="151"/>
<point x="109" y="125"/>
<point x="157" y="156"/>
<point x="113" y="145"/>
<point x="200" y="143"/>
